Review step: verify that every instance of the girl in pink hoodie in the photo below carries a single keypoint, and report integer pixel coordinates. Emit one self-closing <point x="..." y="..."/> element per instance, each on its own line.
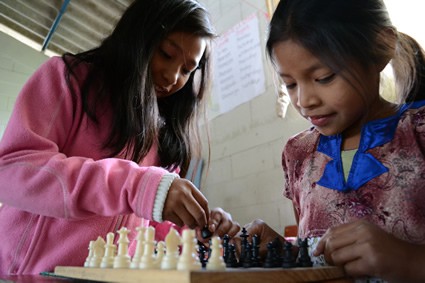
<point x="98" y="140"/>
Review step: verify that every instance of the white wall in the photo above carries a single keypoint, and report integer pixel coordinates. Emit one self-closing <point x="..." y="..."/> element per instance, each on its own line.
<point x="17" y="63"/>
<point x="245" y="176"/>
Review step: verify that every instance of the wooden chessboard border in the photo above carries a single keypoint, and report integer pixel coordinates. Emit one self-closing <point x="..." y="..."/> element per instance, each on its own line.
<point x="230" y="275"/>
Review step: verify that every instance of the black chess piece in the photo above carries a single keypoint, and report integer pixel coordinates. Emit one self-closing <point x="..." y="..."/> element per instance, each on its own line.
<point x="246" y="262"/>
<point x="202" y="249"/>
<point x="304" y="259"/>
<point x="288" y="258"/>
<point x="232" y="261"/>
<point x="270" y="260"/>
<point x="225" y="245"/>
<point x="244" y="244"/>
<point x="244" y="235"/>
<point x="205" y="233"/>
<point x="255" y="255"/>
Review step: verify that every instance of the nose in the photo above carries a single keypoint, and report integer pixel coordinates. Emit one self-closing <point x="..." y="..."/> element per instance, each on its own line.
<point x="171" y="76"/>
<point x="306" y="97"/>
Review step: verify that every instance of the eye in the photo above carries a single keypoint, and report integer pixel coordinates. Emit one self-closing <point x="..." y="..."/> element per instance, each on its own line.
<point x="289" y="86"/>
<point x="165" y="54"/>
<point x="326" y="79"/>
<point x="186" y="72"/>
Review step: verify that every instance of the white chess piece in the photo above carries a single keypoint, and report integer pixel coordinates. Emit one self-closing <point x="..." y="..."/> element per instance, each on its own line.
<point x="216" y="261"/>
<point x="148" y="259"/>
<point x="160" y="249"/>
<point x="172" y="241"/>
<point x="139" y="247"/>
<point x="189" y="259"/>
<point x="110" y="249"/>
<point x="90" y="255"/>
<point x="122" y="259"/>
<point x="98" y="252"/>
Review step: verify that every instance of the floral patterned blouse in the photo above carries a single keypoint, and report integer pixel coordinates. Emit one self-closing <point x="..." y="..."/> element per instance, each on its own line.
<point x="385" y="185"/>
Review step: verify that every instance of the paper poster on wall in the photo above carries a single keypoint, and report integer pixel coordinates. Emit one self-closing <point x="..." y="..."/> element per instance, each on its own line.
<point x="238" y="74"/>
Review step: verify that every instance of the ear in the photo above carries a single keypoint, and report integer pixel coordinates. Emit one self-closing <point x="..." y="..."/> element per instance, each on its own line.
<point x="387" y="42"/>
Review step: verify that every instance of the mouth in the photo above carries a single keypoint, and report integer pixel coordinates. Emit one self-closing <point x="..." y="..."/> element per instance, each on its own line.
<point x="320" y="120"/>
<point x="161" y="90"/>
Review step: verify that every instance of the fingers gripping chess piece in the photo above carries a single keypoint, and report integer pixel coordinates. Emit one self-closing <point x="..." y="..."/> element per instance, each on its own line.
<point x="172" y="241"/>
<point x="215" y="261"/>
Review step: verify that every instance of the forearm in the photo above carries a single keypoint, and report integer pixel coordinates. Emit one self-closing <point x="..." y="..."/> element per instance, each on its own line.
<point x="408" y="266"/>
<point x="415" y="265"/>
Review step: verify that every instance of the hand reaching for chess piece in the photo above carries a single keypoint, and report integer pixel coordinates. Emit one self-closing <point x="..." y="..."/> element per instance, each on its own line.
<point x="220" y="223"/>
<point x="263" y="231"/>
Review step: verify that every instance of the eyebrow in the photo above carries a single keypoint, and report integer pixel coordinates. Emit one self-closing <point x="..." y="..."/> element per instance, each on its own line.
<point x="310" y="69"/>
<point x="190" y="64"/>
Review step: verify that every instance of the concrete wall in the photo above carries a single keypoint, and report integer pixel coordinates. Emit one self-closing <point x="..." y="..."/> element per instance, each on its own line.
<point x="245" y="175"/>
<point x="17" y="63"/>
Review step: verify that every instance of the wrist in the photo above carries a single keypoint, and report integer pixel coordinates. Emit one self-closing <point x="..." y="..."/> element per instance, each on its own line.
<point x="161" y="195"/>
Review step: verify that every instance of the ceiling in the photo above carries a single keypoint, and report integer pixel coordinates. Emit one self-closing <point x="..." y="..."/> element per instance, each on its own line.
<point x="60" y="26"/>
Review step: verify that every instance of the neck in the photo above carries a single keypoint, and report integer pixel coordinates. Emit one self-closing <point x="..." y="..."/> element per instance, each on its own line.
<point x="381" y="109"/>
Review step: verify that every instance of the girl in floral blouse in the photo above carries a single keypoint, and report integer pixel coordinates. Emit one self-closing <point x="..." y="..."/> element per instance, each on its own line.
<point x="357" y="176"/>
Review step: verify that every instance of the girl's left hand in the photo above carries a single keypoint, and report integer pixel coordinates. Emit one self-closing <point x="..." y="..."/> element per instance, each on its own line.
<point x="363" y="249"/>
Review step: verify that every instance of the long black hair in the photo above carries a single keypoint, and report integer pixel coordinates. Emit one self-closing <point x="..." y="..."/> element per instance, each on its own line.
<point x="340" y="32"/>
<point x="120" y="69"/>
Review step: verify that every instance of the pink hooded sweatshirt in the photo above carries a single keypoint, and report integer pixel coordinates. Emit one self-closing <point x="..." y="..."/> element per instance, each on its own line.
<point x="57" y="190"/>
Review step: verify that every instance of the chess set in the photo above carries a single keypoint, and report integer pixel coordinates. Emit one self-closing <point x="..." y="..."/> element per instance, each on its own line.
<point x="182" y="259"/>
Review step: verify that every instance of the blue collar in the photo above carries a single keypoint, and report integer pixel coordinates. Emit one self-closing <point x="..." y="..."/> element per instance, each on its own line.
<point x="365" y="166"/>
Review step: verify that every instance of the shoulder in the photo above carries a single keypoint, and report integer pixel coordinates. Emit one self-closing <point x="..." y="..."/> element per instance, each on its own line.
<point x="304" y="141"/>
<point x="414" y="117"/>
<point x="299" y="147"/>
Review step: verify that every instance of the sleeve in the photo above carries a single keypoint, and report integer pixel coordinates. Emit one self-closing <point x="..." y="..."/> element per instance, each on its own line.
<point x="37" y="177"/>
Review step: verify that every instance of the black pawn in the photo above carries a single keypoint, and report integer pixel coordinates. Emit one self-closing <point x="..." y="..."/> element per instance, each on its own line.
<point x="232" y="261"/>
<point x="288" y="259"/>
<point x="246" y="261"/>
<point x="270" y="260"/>
<point x="304" y="259"/>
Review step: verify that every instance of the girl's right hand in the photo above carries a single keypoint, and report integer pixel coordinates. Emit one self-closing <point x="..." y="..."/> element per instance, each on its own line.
<point x="185" y="205"/>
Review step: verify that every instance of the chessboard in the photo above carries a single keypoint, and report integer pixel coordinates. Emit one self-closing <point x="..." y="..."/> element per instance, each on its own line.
<point x="230" y="275"/>
<point x="183" y="259"/>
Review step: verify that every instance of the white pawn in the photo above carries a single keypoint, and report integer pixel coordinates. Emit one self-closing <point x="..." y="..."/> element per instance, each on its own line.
<point x="172" y="241"/>
<point x="139" y="247"/>
<point x="216" y="261"/>
<point x="110" y="249"/>
<point x="90" y="255"/>
<point x="189" y="259"/>
<point x="148" y="259"/>
<point x="98" y="251"/>
<point x="122" y="259"/>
